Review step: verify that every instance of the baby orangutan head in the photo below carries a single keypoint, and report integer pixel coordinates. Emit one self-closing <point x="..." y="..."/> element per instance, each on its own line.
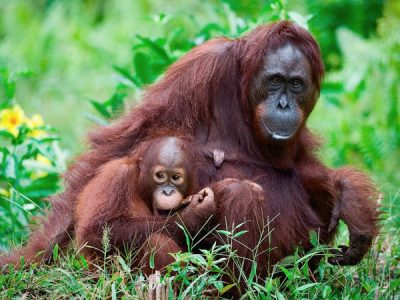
<point x="165" y="176"/>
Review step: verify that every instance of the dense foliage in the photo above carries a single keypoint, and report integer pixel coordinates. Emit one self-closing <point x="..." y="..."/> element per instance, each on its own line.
<point x="30" y="163"/>
<point x="71" y="48"/>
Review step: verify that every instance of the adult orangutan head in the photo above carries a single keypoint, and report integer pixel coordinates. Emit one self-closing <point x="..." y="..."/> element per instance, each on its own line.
<point x="283" y="90"/>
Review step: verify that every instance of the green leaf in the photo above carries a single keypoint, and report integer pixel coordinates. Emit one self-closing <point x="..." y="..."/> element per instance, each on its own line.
<point x="187" y="237"/>
<point x="240" y="233"/>
<point x="162" y="53"/>
<point x="227" y="288"/>
<point x="116" y="102"/>
<point x="218" y="285"/>
<point x="279" y="296"/>
<point x="326" y="291"/>
<point x="224" y="232"/>
<point x="307" y="286"/>
<point x="55" y="252"/>
<point x="141" y="62"/>
<point x="151" y="260"/>
<point x="314" y="238"/>
<point x="124" y="265"/>
<point x="9" y="89"/>
<point x="10" y="167"/>
<point x="199" y="260"/>
<point x="101" y="109"/>
<point x="127" y="75"/>
<point x="252" y="273"/>
<point x="288" y="274"/>
<point x="83" y="262"/>
<point x="41" y="188"/>
<point x="6" y="134"/>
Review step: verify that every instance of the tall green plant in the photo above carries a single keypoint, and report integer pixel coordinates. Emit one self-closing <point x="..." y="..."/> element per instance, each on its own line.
<point x="30" y="163"/>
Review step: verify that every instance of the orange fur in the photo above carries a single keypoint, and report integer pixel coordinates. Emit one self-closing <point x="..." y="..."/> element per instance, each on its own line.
<point x="205" y="95"/>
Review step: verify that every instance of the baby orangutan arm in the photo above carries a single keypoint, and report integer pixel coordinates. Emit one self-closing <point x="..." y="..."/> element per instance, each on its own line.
<point x="111" y="200"/>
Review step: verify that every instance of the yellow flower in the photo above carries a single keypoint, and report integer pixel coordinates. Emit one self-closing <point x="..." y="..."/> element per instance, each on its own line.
<point x="33" y="123"/>
<point x="43" y="159"/>
<point x="36" y="121"/>
<point x="11" y="119"/>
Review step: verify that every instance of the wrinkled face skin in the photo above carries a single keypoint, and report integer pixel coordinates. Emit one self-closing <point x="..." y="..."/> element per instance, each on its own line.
<point x="166" y="176"/>
<point x="282" y="95"/>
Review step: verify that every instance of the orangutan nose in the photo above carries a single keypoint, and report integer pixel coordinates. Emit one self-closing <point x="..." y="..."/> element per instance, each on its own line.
<point x="168" y="191"/>
<point x="283" y="102"/>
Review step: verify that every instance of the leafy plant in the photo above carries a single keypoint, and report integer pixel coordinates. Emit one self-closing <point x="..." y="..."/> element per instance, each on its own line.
<point x="30" y="163"/>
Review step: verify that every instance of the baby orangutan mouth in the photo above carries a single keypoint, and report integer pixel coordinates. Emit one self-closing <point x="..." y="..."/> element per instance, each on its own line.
<point x="169" y="212"/>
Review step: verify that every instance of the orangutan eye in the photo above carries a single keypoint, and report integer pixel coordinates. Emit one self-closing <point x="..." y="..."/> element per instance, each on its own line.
<point x="160" y="175"/>
<point x="297" y="83"/>
<point x="275" y="80"/>
<point x="176" y="177"/>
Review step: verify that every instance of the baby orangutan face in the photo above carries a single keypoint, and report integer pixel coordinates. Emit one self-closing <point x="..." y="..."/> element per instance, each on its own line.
<point x="170" y="187"/>
<point x="166" y="176"/>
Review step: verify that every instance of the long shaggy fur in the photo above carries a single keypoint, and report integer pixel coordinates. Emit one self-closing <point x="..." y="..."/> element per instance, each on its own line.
<point x="205" y="95"/>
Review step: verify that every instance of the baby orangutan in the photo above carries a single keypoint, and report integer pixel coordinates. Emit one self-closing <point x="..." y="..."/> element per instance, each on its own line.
<point x="141" y="197"/>
<point x="166" y="174"/>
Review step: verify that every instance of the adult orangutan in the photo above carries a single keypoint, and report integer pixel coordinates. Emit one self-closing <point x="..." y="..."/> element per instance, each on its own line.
<point x="245" y="100"/>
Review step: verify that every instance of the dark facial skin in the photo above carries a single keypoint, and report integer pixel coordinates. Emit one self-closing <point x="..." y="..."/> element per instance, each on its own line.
<point x="166" y="178"/>
<point x="282" y="94"/>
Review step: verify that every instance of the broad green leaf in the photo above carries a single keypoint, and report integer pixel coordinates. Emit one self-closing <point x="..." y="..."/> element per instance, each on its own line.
<point x="156" y="48"/>
<point x="141" y="62"/>
<point x="101" y="109"/>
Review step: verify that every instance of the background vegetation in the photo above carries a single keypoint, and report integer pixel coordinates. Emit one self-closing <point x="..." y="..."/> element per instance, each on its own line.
<point x="81" y="62"/>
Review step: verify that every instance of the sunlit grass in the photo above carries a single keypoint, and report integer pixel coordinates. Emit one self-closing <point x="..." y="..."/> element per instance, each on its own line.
<point x="209" y="274"/>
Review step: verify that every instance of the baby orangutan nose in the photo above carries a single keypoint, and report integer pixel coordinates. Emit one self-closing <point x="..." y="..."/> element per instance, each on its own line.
<point x="168" y="191"/>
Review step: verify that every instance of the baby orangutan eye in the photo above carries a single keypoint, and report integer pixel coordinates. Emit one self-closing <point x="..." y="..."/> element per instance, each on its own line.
<point x="160" y="175"/>
<point x="176" y="177"/>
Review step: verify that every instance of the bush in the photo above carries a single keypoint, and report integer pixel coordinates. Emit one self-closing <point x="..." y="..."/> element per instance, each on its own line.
<point x="30" y="163"/>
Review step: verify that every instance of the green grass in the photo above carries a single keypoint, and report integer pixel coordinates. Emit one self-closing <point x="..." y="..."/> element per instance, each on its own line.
<point x="199" y="275"/>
